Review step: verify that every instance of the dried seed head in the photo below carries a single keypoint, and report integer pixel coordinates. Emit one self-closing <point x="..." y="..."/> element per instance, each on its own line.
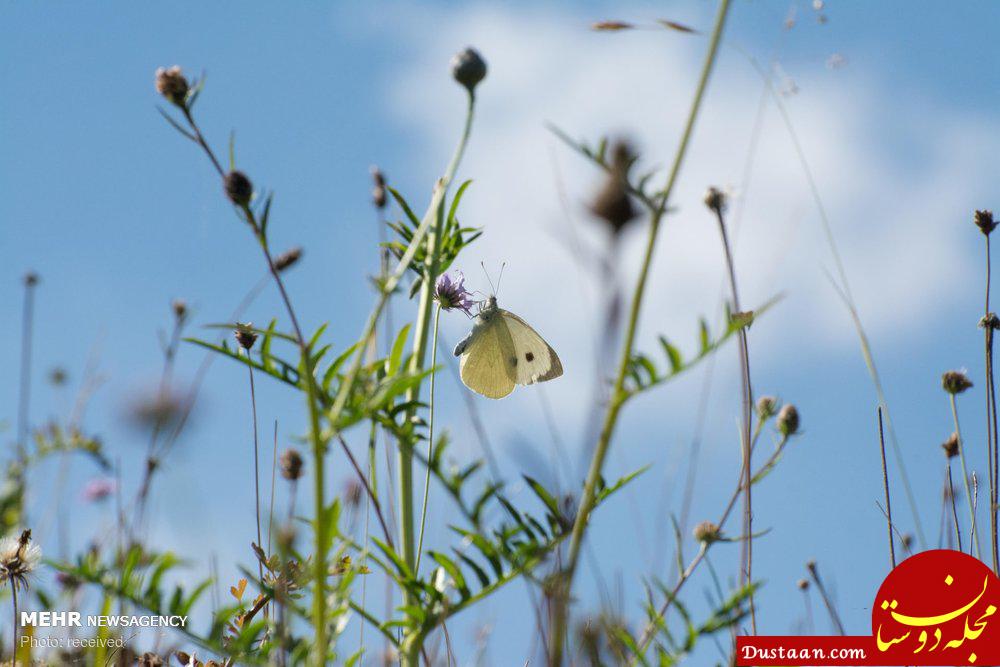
<point x="183" y="658"/>
<point x="30" y="279"/>
<point x="766" y="407"/>
<point x="803" y="584"/>
<point x="170" y="83"/>
<point x="245" y="335"/>
<point x="907" y="541"/>
<point x="788" y="420"/>
<point x="379" y="198"/>
<point x="707" y="532"/>
<point x="468" y="68"/>
<point x="611" y="26"/>
<point x="811" y="566"/>
<point x="18" y="559"/>
<point x="613" y="204"/>
<point x="238" y="187"/>
<point x="291" y="464"/>
<point x="955" y="382"/>
<point x="951" y="446"/>
<point x="989" y="321"/>
<point x="984" y="220"/>
<point x="287" y="259"/>
<point x="180" y="308"/>
<point x="715" y="200"/>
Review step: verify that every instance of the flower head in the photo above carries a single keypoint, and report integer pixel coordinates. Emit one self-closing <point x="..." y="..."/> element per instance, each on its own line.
<point x="291" y="464"/>
<point x="98" y="489"/>
<point x="984" y="220"/>
<point x="450" y="292"/>
<point x="707" y="532"/>
<point x="766" y="407"/>
<point x="170" y="83"/>
<point x="245" y="335"/>
<point x="951" y="446"/>
<point x="788" y="420"/>
<point x="18" y="559"/>
<point x="955" y="382"/>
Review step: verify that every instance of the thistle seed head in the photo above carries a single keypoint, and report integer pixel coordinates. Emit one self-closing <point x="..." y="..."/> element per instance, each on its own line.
<point x="715" y="200"/>
<point x="18" y="559"/>
<point x="766" y="407"/>
<point x="707" y="532"/>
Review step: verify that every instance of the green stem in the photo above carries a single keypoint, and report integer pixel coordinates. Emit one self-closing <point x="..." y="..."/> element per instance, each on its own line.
<point x="430" y="441"/>
<point x="617" y="396"/>
<point x="411" y="646"/>
<point x="965" y="478"/>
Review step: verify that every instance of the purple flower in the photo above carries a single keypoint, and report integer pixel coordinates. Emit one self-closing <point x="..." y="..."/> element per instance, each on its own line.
<point x="451" y="293"/>
<point x="98" y="489"/>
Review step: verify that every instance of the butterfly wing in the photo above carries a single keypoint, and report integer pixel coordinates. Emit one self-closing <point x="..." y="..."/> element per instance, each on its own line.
<point x="486" y="355"/>
<point x="536" y="360"/>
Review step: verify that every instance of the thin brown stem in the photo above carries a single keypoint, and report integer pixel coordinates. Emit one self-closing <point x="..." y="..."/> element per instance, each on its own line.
<point x="256" y="461"/>
<point x="368" y="490"/>
<point x="830" y="608"/>
<point x="950" y="490"/>
<point x="974" y="537"/>
<point x="885" y="487"/>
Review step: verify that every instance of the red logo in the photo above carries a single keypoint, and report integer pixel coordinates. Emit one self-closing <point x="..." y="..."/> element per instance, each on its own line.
<point x="935" y="608"/>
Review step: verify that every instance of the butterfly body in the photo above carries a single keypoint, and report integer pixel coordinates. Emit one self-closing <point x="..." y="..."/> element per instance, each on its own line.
<point x="503" y="351"/>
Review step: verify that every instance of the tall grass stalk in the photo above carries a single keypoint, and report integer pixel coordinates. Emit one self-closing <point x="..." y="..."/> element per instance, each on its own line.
<point x="974" y="537"/>
<point x="560" y="621"/>
<point x="885" y="487"/>
<point x="256" y="461"/>
<point x="746" y="396"/>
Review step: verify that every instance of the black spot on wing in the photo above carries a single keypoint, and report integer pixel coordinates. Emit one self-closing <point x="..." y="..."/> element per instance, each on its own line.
<point x="529" y="356"/>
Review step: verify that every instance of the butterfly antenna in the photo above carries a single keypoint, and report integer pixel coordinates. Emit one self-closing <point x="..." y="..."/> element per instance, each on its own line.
<point x="500" y="278"/>
<point x="482" y="264"/>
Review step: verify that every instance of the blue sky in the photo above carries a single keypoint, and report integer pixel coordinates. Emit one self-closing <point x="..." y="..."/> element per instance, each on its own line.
<point x="119" y="215"/>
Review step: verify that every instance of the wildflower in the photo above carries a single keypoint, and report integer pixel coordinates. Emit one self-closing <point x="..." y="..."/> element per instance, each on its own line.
<point x="379" y="198"/>
<point x="245" y="335"/>
<point x="715" y="200"/>
<point x="707" y="532"/>
<point x="238" y="187"/>
<point x="955" y="382"/>
<point x="468" y="68"/>
<point x="98" y="489"/>
<point x="803" y="584"/>
<point x="18" y="559"/>
<point x="450" y="292"/>
<point x="291" y="464"/>
<point x="788" y="420"/>
<point x="170" y="83"/>
<point x="287" y="259"/>
<point x="613" y="203"/>
<point x="984" y="220"/>
<point x="766" y="407"/>
<point x="950" y="446"/>
<point x="180" y="308"/>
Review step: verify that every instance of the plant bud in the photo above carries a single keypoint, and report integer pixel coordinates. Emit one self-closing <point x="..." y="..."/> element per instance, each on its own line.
<point x="788" y="420"/>
<point x="291" y="464"/>
<point x="245" y="335"/>
<point x="707" y="532"/>
<point x="171" y="84"/>
<point x="715" y="200"/>
<point x="238" y="187"/>
<point x="984" y="220"/>
<point x="950" y="446"/>
<point x="379" y="198"/>
<point x="766" y="407"/>
<point x="468" y="68"/>
<point x="955" y="382"/>
<point x="180" y="308"/>
<point x="287" y="259"/>
<point x="803" y="584"/>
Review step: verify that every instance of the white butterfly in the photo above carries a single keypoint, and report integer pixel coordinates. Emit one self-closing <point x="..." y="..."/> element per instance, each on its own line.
<point x="502" y="351"/>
